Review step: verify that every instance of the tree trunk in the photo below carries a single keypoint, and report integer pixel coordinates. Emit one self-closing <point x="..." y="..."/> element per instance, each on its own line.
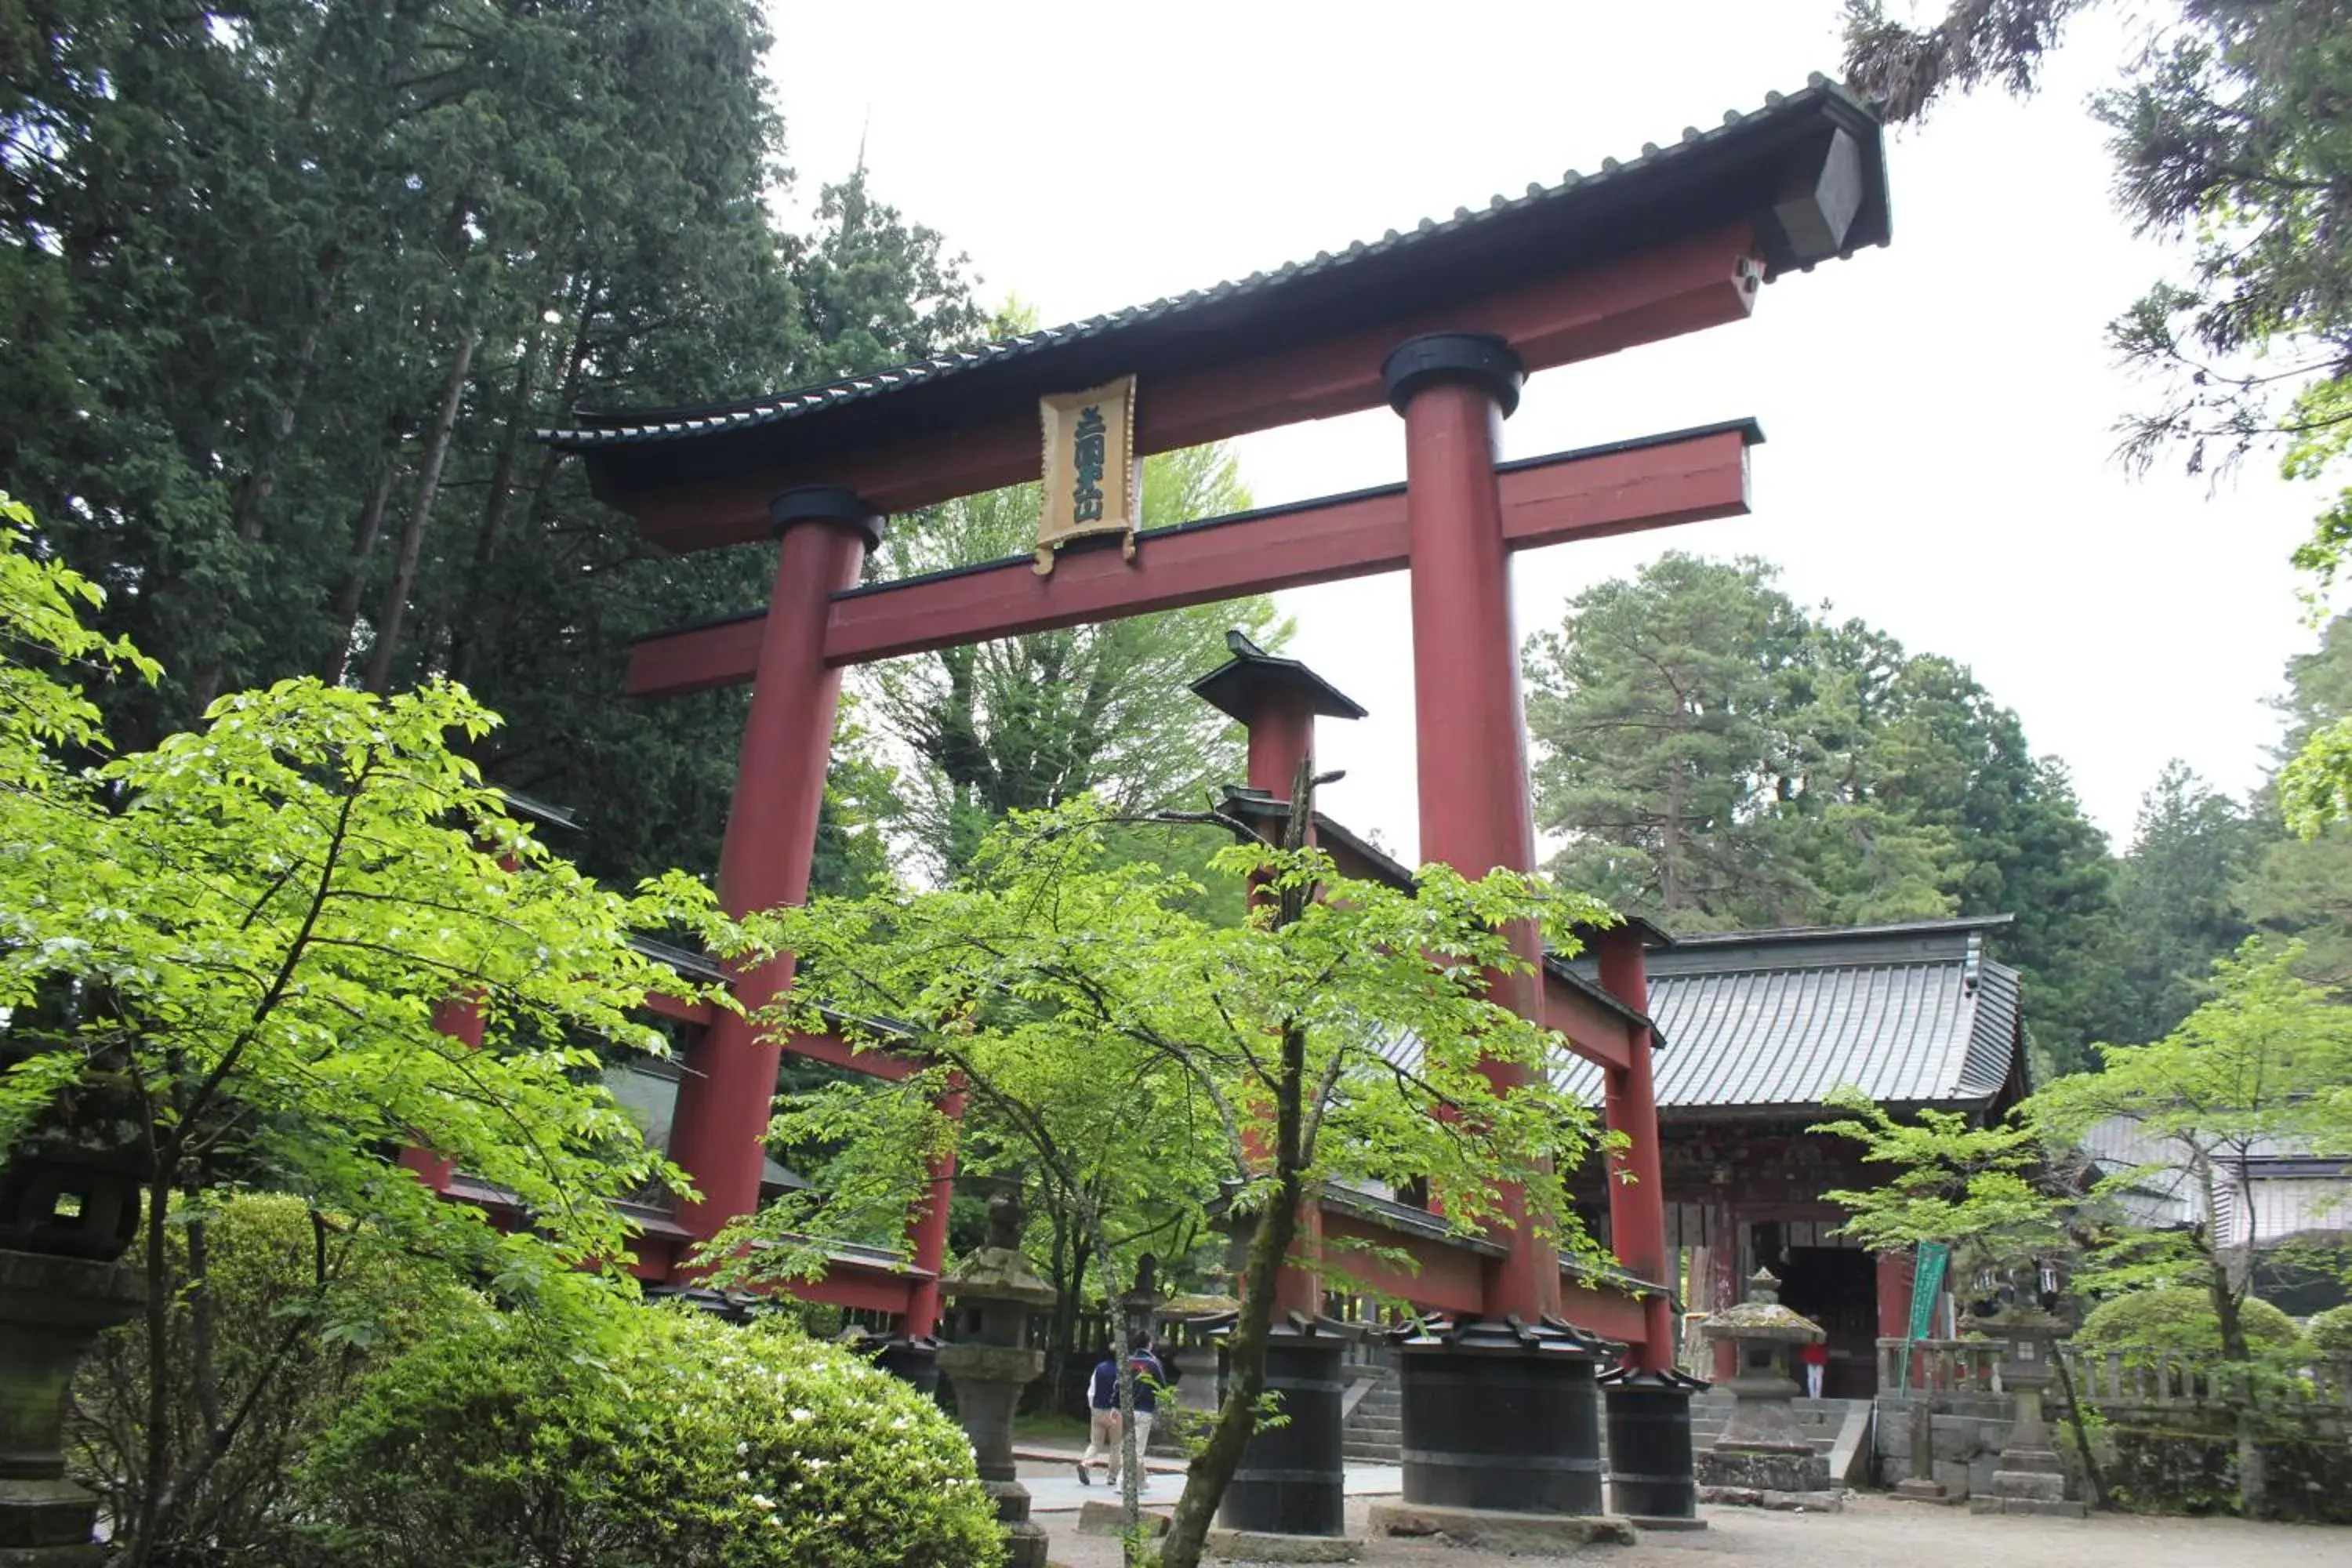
<point x="364" y="533"/>
<point x="412" y="539"/>
<point x="465" y="634"/>
<point x="1212" y="1468"/>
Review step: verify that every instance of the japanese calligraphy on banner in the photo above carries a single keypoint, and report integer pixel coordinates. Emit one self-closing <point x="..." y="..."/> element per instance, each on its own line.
<point x="1090" y="477"/>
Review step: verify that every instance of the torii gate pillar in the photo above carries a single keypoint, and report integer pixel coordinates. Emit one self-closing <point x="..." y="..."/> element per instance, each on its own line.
<point x="1455" y="389"/>
<point x="771" y="843"/>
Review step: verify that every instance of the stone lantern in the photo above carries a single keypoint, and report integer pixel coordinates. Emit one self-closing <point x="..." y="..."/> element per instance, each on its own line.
<point x="993" y="1292"/>
<point x="2028" y="1478"/>
<point x="1762" y="1458"/>
<point x="69" y="1207"/>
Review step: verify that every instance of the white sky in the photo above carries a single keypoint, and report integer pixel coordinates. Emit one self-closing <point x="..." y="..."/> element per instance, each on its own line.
<point x="1938" y="414"/>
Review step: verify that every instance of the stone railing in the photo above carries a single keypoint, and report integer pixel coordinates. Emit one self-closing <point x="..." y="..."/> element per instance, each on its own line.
<point x="1970" y="1366"/>
<point x="2108" y="1380"/>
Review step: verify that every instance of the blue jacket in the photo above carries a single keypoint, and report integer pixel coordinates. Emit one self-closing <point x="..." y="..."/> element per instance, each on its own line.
<point x="1102" y="1393"/>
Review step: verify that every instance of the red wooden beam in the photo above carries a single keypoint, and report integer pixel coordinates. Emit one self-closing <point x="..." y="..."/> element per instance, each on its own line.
<point x="1618" y="488"/>
<point x="672" y="1007"/>
<point x="1705" y="280"/>
<point x="1604" y="1309"/>
<point x="1446" y="1281"/>
<point x="1593" y="1032"/>
<point x="839" y="1053"/>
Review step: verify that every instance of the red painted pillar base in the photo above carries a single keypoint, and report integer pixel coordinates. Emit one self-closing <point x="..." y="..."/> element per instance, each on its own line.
<point x="928" y="1227"/>
<point x="459" y="1021"/>
<point x="1894" y="1273"/>
<point x="1637" y="1208"/>
<point x="725" y="1101"/>
<point x="1454" y="390"/>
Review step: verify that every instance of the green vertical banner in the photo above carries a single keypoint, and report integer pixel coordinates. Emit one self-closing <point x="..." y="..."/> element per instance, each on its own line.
<point x="1927" y="1267"/>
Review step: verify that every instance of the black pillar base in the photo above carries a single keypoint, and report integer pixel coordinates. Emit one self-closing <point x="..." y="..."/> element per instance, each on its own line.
<point x="1293" y="1477"/>
<point x="1650" y="1455"/>
<point x="1500" y="1416"/>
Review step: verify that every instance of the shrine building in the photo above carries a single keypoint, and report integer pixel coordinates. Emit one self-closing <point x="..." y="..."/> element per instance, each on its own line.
<point x="1755" y="1030"/>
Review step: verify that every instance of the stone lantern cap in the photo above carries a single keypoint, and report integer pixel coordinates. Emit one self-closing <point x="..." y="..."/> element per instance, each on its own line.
<point x="1507" y="1335"/>
<point x="1761" y="1316"/>
<point x="998" y="1272"/>
<point x="2018" y="1323"/>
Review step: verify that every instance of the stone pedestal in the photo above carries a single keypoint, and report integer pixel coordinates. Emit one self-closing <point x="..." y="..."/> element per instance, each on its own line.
<point x="1502" y="1436"/>
<point x="51" y="1308"/>
<point x="1923" y="1486"/>
<point x="2029" y="1477"/>
<point x="1292" y="1481"/>
<point x="994" y="1291"/>
<point x="1762" y="1459"/>
<point x="1653" y="1479"/>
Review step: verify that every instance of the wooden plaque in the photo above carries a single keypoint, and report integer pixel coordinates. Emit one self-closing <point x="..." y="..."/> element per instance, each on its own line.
<point x="1091" y="483"/>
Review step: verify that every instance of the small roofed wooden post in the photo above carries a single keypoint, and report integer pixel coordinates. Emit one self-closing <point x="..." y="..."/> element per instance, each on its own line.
<point x="1277" y="701"/>
<point x="1637" y="1186"/>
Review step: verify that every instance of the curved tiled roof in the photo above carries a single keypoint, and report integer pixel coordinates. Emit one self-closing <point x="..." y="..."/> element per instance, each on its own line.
<point x="1910" y="1014"/>
<point x="1623" y="195"/>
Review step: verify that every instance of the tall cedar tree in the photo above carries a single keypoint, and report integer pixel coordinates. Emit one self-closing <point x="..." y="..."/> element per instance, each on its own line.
<point x="1717" y="757"/>
<point x="2303" y="887"/>
<point x="285" y="285"/>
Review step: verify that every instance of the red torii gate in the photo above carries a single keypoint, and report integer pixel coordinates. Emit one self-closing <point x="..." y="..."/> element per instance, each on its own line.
<point x="1444" y="324"/>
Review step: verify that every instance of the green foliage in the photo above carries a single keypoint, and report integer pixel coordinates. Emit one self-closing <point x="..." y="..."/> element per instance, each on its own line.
<point x="1988" y="1189"/>
<point x="2330" y="1333"/>
<point x="662" y="1439"/>
<point x="277" y="1314"/>
<point x="305" y="275"/>
<point x="2178" y="897"/>
<point x="227" y="962"/>
<point x="2228" y="132"/>
<point x="1116" y="1040"/>
<point x="1717" y="757"/>
<point x="2180" y="1320"/>
<point x="1135" y="1061"/>
<point x="2302" y="883"/>
<point x="2259" y="1067"/>
<point x="1028" y="723"/>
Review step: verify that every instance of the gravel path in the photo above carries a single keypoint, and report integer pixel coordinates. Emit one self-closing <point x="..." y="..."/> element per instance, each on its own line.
<point x="1876" y="1533"/>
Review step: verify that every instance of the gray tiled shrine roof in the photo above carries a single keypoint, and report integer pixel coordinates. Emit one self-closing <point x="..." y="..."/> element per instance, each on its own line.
<point x="1911" y="1014"/>
<point x="1664" y="191"/>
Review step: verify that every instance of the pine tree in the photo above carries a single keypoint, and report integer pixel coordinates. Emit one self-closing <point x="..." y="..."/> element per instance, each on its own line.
<point x="2177" y="899"/>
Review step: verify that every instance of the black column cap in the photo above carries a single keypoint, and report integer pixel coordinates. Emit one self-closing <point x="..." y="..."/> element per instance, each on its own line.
<point x="825" y="503"/>
<point x="1479" y="358"/>
<point x="1234" y="687"/>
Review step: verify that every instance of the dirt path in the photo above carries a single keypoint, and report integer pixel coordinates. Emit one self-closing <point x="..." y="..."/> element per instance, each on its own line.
<point x="1877" y="1532"/>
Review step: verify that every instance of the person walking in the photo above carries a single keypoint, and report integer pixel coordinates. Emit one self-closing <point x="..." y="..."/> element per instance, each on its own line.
<point x="1102" y="1433"/>
<point x="1816" y="1359"/>
<point x="1102" y="1417"/>
<point x="1150" y="1376"/>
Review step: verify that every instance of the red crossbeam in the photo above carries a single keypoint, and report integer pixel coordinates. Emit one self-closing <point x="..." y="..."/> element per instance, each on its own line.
<point x="1700" y="281"/>
<point x="1655" y="482"/>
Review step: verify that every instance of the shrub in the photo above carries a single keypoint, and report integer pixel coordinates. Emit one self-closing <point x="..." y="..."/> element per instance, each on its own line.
<point x="274" y="1318"/>
<point x="2330" y="1333"/>
<point x="661" y="1438"/>
<point x="2180" y="1320"/>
